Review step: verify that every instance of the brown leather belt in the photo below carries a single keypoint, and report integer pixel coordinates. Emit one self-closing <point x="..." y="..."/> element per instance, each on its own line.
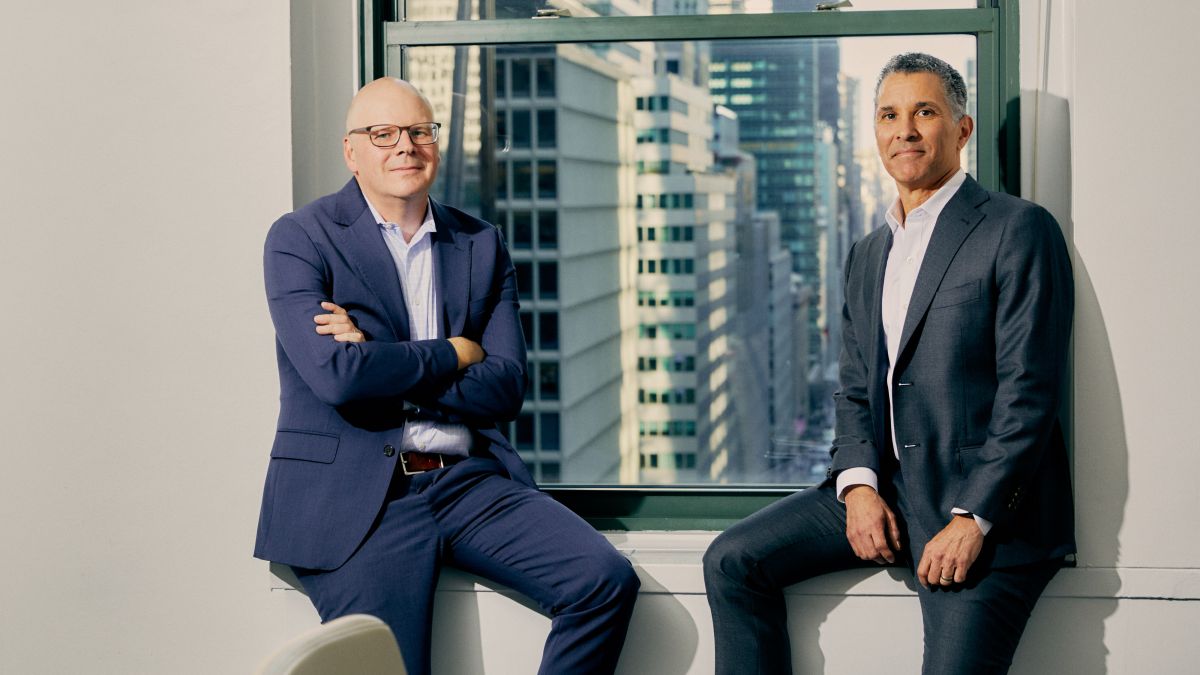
<point x="420" y="462"/>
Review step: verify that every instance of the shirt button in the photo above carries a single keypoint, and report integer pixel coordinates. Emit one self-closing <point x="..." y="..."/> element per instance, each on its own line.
<point x="388" y="451"/>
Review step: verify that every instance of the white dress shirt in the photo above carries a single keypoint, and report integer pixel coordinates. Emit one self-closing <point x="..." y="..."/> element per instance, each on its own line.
<point x="910" y="240"/>
<point x="414" y="264"/>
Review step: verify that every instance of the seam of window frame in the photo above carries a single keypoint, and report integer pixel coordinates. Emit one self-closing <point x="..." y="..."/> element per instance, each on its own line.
<point x="995" y="25"/>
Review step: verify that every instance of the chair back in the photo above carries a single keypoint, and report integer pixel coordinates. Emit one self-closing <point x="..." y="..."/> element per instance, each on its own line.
<point x="356" y="644"/>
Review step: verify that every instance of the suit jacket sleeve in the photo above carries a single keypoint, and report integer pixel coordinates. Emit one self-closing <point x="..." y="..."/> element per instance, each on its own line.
<point x="853" y="443"/>
<point x="297" y="281"/>
<point x="1033" y="322"/>
<point x="493" y="389"/>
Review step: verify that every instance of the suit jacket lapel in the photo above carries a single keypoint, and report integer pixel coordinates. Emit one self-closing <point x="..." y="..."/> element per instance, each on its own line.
<point x="879" y="264"/>
<point x="957" y="220"/>
<point x="364" y="247"/>
<point x="452" y="256"/>
<point x="878" y="350"/>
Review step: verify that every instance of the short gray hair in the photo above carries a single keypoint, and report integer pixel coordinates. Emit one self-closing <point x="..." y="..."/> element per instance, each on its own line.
<point x="916" y="62"/>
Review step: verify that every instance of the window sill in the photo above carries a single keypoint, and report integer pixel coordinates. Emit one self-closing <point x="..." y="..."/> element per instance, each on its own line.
<point x="670" y="563"/>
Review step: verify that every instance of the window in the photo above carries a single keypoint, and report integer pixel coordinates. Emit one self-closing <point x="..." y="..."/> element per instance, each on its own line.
<point x="522" y="181"/>
<point x="522" y="129"/>
<point x="547" y="187"/>
<point x="547" y="230"/>
<point x="548" y="380"/>
<point x="550" y="431"/>
<point x="524" y="282"/>
<point x="523" y="436"/>
<point x="520" y="78"/>
<point x="527" y="328"/>
<point x="547" y="280"/>
<point x="522" y="230"/>
<point x="545" y="78"/>
<point x="548" y="330"/>
<point x="547" y="125"/>
<point x="607" y="190"/>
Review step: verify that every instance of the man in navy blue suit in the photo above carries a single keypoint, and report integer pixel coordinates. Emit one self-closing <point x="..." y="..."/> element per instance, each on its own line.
<point x="399" y="350"/>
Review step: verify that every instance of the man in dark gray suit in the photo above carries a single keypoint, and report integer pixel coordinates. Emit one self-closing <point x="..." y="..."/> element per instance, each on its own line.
<point x="948" y="454"/>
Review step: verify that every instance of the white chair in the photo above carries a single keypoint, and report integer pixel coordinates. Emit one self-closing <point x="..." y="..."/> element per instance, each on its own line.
<point x="356" y="644"/>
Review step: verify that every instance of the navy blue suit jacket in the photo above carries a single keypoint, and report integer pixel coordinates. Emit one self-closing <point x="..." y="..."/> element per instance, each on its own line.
<point x="977" y="380"/>
<point x="341" y="406"/>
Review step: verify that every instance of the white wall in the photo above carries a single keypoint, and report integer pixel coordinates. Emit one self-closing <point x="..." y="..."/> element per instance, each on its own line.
<point x="146" y="150"/>
<point x="137" y="398"/>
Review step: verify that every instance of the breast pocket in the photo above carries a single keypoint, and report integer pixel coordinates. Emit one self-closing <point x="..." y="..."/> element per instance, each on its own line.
<point x="305" y="445"/>
<point x="957" y="295"/>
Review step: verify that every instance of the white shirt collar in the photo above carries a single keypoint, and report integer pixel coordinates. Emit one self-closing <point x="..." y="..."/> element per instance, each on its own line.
<point x="427" y="226"/>
<point x="932" y="207"/>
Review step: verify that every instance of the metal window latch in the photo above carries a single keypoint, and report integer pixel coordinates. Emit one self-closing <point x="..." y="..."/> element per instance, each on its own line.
<point x="550" y="13"/>
<point x="832" y="6"/>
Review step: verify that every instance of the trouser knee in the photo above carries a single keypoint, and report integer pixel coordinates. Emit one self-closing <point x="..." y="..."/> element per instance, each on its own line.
<point x="610" y="583"/>
<point x="726" y="563"/>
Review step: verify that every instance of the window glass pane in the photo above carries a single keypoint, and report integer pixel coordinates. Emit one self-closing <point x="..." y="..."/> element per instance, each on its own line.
<point x="520" y="78"/>
<point x="548" y="330"/>
<point x="548" y="380"/>
<point x="525" y="9"/>
<point x="522" y="130"/>
<point x="545" y="78"/>
<point x="547" y="229"/>
<point x="550" y="431"/>
<point x="524" y="279"/>
<point x="522" y="237"/>
<point x="707" y="256"/>
<point x="524" y="432"/>
<point x="547" y="280"/>
<point x="527" y="328"/>
<point x="522" y="182"/>
<point x="547" y="179"/>
<point x="547" y="133"/>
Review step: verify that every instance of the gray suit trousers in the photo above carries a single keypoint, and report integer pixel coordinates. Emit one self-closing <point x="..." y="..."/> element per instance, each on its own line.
<point x="971" y="629"/>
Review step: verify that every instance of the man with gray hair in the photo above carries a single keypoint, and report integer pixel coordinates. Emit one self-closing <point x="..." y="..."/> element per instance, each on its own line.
<point x="948" y="457"/>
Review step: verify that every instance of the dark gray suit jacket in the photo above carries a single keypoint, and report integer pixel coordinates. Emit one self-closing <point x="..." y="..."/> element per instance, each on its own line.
<point x="977" y="379"/>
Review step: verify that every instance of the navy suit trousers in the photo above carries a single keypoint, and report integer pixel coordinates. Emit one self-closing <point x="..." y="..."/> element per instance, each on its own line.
<point x="471" y="516"/>
<point x="970" y="629"/>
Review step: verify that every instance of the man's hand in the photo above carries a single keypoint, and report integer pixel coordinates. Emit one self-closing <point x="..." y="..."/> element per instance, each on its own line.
<point x="468" y="351"/>
<point x="950" y="553"/>
<point x="870" y="525"/>
<point x="338" y="324"/>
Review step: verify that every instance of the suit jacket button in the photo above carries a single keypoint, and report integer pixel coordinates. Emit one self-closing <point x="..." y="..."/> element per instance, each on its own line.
<point x="388" y="451"/>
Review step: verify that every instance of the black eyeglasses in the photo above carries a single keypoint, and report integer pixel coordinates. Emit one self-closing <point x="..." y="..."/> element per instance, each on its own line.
<point x="388" y="135"/>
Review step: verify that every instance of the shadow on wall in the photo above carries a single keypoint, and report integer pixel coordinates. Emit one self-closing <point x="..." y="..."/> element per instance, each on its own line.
<point x="1067" y="634"/>
<point x="662" y="639"/>
<point x="808" y="613"/>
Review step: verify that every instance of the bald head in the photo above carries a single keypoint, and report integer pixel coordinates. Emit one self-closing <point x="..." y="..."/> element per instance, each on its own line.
<point x="376" y="100"/>
<point x="394" y="179"/>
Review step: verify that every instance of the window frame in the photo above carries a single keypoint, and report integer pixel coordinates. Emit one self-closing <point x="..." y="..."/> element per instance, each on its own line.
<point x="386" y="36"/>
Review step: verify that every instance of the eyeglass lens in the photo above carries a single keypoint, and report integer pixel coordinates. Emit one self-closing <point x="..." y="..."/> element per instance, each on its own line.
<point x="387" y="136"/>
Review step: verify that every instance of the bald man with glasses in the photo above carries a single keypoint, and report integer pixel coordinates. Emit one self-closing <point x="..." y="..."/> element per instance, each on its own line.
<point x="400" y="351"/>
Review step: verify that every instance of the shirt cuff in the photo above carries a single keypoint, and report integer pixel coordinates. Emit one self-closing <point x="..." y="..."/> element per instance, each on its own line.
<point x="984" y="524"/>
<point x="859" y="475"/>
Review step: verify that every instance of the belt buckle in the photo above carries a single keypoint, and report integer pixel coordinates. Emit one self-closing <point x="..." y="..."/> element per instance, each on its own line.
<point x="441" y="461"/>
